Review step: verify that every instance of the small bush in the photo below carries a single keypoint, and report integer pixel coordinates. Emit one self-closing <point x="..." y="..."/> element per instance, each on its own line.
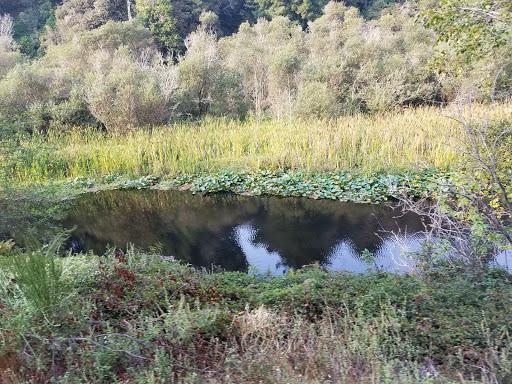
<point x="38" y="273"/>
<point x="123" y="97"/>
<point x="316" y="100"/>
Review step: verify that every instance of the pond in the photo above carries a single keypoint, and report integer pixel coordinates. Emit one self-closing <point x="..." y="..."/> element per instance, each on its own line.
<point x="236" y="232"/>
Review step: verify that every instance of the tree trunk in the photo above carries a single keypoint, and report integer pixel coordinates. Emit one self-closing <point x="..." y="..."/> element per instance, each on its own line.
<point x="129" y="8"/>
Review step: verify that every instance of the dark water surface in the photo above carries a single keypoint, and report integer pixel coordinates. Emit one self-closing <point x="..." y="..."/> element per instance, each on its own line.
<point x="235" y="232"/>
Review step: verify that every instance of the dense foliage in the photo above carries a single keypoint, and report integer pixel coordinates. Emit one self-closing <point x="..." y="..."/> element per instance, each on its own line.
<point x="116" y="64"/>
<point x="474" y="28"/>
<point x="31" y="16"/>
<point x="141" y="317"/>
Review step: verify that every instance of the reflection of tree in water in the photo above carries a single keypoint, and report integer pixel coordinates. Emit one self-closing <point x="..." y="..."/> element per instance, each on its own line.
<point x="299" y="234"/>
<point x="305" y="231"/>
<point x="198" y="230"/>
<point x="31" y="215"/>
<point x="201" y="230"/>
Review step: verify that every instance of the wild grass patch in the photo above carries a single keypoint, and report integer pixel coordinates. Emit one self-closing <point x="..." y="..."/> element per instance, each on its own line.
<point x="411" y="139"/>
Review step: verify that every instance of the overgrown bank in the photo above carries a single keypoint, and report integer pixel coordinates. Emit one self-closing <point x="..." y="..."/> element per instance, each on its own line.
<point x="358" y="158"/>
<point x="407" y="140"/>
<point x="341" y="185"/>
<point x="139" y="317"/>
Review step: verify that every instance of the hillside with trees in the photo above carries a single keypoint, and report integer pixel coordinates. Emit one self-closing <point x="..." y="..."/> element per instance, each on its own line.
<point x="108" y="63"/>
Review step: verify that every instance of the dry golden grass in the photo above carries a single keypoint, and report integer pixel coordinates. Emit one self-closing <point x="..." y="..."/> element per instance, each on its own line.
<point x="407" y="139"/>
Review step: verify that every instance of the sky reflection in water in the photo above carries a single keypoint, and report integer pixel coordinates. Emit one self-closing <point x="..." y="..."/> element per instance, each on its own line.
<point x="235" y="232"/>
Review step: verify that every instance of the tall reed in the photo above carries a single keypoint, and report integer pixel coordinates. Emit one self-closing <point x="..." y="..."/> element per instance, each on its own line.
<point x="411" y="139"/>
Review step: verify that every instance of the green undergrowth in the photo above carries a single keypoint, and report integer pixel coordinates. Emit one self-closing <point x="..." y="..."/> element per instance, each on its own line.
<point x="145" y="318"/>
<point x="341" y="185"/>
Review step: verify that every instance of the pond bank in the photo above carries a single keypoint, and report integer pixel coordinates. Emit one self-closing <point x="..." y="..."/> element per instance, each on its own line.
<point x="341" y="185"/>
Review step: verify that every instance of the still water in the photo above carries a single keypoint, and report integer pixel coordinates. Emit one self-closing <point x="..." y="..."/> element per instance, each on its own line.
<point x="235" y="232"/>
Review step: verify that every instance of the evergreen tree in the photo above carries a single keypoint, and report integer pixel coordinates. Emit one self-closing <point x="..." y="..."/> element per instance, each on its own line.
<point x="297" y="10"/>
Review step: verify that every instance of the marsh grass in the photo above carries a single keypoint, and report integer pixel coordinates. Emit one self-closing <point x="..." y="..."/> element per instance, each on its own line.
<point x="409" y="139"/>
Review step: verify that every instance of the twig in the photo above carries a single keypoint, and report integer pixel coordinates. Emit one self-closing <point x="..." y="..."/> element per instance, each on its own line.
<point x="106" y="347"/>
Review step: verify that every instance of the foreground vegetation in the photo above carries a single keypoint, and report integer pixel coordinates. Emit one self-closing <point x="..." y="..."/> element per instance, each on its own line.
<point x="140" y="317"/>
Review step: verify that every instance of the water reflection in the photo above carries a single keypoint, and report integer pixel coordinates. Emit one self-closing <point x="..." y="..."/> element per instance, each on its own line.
<point x="235" y="232"/>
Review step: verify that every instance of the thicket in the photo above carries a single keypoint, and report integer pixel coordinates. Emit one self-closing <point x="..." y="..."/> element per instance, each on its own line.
<point x="31" y="16"/>
<point x="113" y="73"/>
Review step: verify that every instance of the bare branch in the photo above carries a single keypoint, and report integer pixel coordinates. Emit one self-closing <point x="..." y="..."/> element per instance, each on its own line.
<point x="488" y="14"/>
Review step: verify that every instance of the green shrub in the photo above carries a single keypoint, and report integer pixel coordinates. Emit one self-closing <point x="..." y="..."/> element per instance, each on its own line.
<point x="8" y="60"/>
<point x="122" y="96"/>
<point x="24" y="85"/>
<point x="71" y="113"/>
<point x="37" y="271"/>
<point x="6" y="246"/>
<point x="316" y="100"/>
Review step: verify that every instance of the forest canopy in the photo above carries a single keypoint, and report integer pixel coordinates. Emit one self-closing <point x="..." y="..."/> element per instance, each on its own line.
<point x="122" y="64"/>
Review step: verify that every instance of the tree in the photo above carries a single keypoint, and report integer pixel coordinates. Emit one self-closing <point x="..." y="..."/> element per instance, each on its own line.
<point x="158" y="17"/>
<point x="30" y="18"/>
<point x="86" y="15"/>
<point x="57" y="87"/>
<point x="114" y="35"/>
<point x="268" y="58"/>
<point x="472" y="27"/>
<point x="297" y="10"/>
<point x="206" y="82"/>
<point x="232" y="13"/>
<point x="186" y="17"/>
<point x="9" y="56"/>
<point x="209" y="21"/>
<point x="199" y="68"/>
<point x="123" y="96"/>
<point x="374" y="65"/>
<point x="129" y="9"/>
<point x="473" y="211"/>
<point x="74" y="16"/>
<point x="6" y="31"/>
